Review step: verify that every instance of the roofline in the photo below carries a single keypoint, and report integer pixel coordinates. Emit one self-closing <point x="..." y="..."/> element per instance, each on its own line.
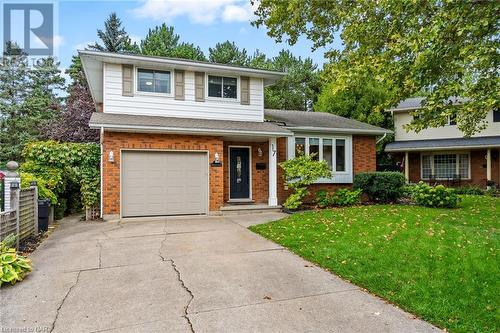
<point x="182" y="62"/>
<point x="342" y="130"/>
<point x="184" y="130"/>
<point x="395" y="150"/>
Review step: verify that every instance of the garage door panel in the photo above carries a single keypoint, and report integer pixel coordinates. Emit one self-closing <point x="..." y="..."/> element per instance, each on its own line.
<point x="164" y="183"/>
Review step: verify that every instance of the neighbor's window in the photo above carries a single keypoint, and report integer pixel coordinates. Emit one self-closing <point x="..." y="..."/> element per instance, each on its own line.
<point x="340" y="155"/>
<point x="300" y="146"/>
<point x="331" y="150"/>
<point x="314" y="148"/>
<point x="222" y="87"/>
<point x="496" y="116"/>
<point x="445" y="166"/>
<point x="153" y="81"/>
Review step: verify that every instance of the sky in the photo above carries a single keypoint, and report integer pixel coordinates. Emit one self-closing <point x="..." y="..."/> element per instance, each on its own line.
<point x="202" y="22"/>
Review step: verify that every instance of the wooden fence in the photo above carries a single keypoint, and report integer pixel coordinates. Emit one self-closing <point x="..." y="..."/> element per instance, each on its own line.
<point x="22" y="219"/>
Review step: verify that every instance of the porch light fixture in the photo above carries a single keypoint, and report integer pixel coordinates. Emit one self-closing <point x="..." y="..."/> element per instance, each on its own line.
<point x="111" y="157"/>
<point x="216" y="158"/>
<point x="259" y="152"/>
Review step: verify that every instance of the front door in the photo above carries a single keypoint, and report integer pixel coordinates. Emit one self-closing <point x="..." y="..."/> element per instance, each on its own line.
<point x="239" y="173"/>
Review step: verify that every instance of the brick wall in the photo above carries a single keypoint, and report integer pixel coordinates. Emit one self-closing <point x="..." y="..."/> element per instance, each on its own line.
<point x="115" y="141"/>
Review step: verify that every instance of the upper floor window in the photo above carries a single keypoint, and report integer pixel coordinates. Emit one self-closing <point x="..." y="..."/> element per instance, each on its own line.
<point x="496" y="116"/>
<point x="331" y="150"/>
<point x="452" y="120"/>
<point x="153" y="81"/>
<point x="222" y="87"/>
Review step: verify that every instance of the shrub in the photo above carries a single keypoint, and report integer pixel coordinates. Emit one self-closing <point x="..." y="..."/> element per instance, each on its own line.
<point x="14" y="267"/>
<point x="341" y="197"/>
<point x="345" y="197"/>
<point x="435" y="196"/>
<point x="474" y="190"/>
<point x="380" y="186"/>
<point x="44" y="192"/>
<point x="322" y="198"/>
<point x="300" y="172"/>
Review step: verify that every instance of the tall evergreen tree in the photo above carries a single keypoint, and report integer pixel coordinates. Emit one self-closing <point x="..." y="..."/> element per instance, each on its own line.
<point x="114" y="37"/>
<point x="160" y="41"/>
<point x="27" y="100"/>
<point x="299" y="89"/>
<point x="228" y="53"/>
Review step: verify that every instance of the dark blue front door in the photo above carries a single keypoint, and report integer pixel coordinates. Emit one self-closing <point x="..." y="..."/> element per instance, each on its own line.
<point x="239" y="173"/>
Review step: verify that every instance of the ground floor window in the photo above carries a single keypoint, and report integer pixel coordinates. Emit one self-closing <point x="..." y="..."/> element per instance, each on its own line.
<point x="445" y="165"/>
<point x="331" y="150"/>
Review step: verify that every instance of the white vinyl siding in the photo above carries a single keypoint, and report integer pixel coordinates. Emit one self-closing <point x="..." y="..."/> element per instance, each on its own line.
<point x="167" y="106"/>
<point x="326" y="147"/>
<point x="445" y="132"/>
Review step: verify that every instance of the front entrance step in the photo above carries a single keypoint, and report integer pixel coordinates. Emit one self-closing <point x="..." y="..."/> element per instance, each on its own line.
<point x="247" y="209"/>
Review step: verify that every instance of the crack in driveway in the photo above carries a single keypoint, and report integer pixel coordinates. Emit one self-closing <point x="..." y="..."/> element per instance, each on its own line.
<point x="191" y="295"/>
<point x="53" y="326"/>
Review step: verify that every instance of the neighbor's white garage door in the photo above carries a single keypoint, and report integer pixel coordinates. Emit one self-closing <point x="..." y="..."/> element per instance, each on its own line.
<point x="164" y="183"/>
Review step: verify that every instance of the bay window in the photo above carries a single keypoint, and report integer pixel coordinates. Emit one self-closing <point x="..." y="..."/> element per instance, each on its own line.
<point x="329" y="149"/>
<point x="445" y="165"/>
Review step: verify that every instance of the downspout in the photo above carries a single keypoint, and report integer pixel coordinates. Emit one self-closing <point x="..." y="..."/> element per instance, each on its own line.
<point x="382" y="138"/>
<point x="102" y="161"/>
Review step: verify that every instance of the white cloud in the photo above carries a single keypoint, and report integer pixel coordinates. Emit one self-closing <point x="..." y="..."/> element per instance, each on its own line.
<point x="237" y="13"/>
<point x="203" y="11"/>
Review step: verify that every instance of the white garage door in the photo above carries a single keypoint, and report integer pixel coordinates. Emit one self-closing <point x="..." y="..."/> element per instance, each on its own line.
<point x="164" y="183"/>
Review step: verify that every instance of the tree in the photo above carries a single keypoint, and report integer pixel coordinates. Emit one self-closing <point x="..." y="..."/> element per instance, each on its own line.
<point x="160" y="41"/>
<point x="449" y="48"/>
<point x="164" y="42"/>
<point x="28" y="99"/>
<point x="228" y="53"/>
<point x="259" y="60"/>
<point x="114" y="38"/>
<point x="298" y="89"/>
<point x="73" y="124"/>
<point x="355" y="102"/>
<point x="188" y="51"/>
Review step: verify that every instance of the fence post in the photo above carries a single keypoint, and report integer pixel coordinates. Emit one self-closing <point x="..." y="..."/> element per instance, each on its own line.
<point x="11" y="176"/>
<point x="34" y="188"/>
<point x="14" y="206"/>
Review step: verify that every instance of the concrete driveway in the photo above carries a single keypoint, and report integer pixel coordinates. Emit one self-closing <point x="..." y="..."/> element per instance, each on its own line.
<point x="201" y="274"/>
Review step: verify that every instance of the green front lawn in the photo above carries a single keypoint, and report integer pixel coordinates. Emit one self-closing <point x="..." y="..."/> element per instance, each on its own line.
<point x="440" y="264"/>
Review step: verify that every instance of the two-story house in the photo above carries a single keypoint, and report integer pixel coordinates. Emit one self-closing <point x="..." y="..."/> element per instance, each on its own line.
<point x="443" y="154"/>
<point x="189" y="137"/>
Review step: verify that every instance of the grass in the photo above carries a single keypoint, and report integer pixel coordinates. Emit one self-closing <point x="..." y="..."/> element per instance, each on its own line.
<point x="440" y="264"/>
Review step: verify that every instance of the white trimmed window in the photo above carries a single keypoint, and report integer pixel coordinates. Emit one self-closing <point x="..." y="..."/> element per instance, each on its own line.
<point x="222" y="87"/>
<point x="153" y="81"/>
<point x="332" y="150"/>
<point x="445" y="165"/>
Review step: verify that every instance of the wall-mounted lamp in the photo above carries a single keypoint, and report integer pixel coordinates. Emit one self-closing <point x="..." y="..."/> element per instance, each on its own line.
<point x="259" y="152"/>
<point x="216" y="162"/>
<point x="111" y="157"/>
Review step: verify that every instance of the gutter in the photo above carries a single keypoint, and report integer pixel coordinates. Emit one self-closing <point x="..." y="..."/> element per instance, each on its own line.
<point x="340" y="130"/>
<point x="381" y="139"/>
<point x="399" y="150"/>
<point x="184" y="130"/>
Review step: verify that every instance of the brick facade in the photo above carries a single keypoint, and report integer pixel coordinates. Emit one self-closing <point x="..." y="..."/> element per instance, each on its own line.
<point x="364" y="159"/>
<point x="477" y="165"/>
<point x="116" y="141"/>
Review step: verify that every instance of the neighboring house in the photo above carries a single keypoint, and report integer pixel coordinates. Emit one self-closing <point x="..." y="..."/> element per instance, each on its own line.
<point x="188" y="137"/>
<point x="443" y="154"/>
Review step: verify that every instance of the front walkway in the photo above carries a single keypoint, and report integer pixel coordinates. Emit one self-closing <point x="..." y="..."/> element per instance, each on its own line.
<point x="203" y="274"/>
